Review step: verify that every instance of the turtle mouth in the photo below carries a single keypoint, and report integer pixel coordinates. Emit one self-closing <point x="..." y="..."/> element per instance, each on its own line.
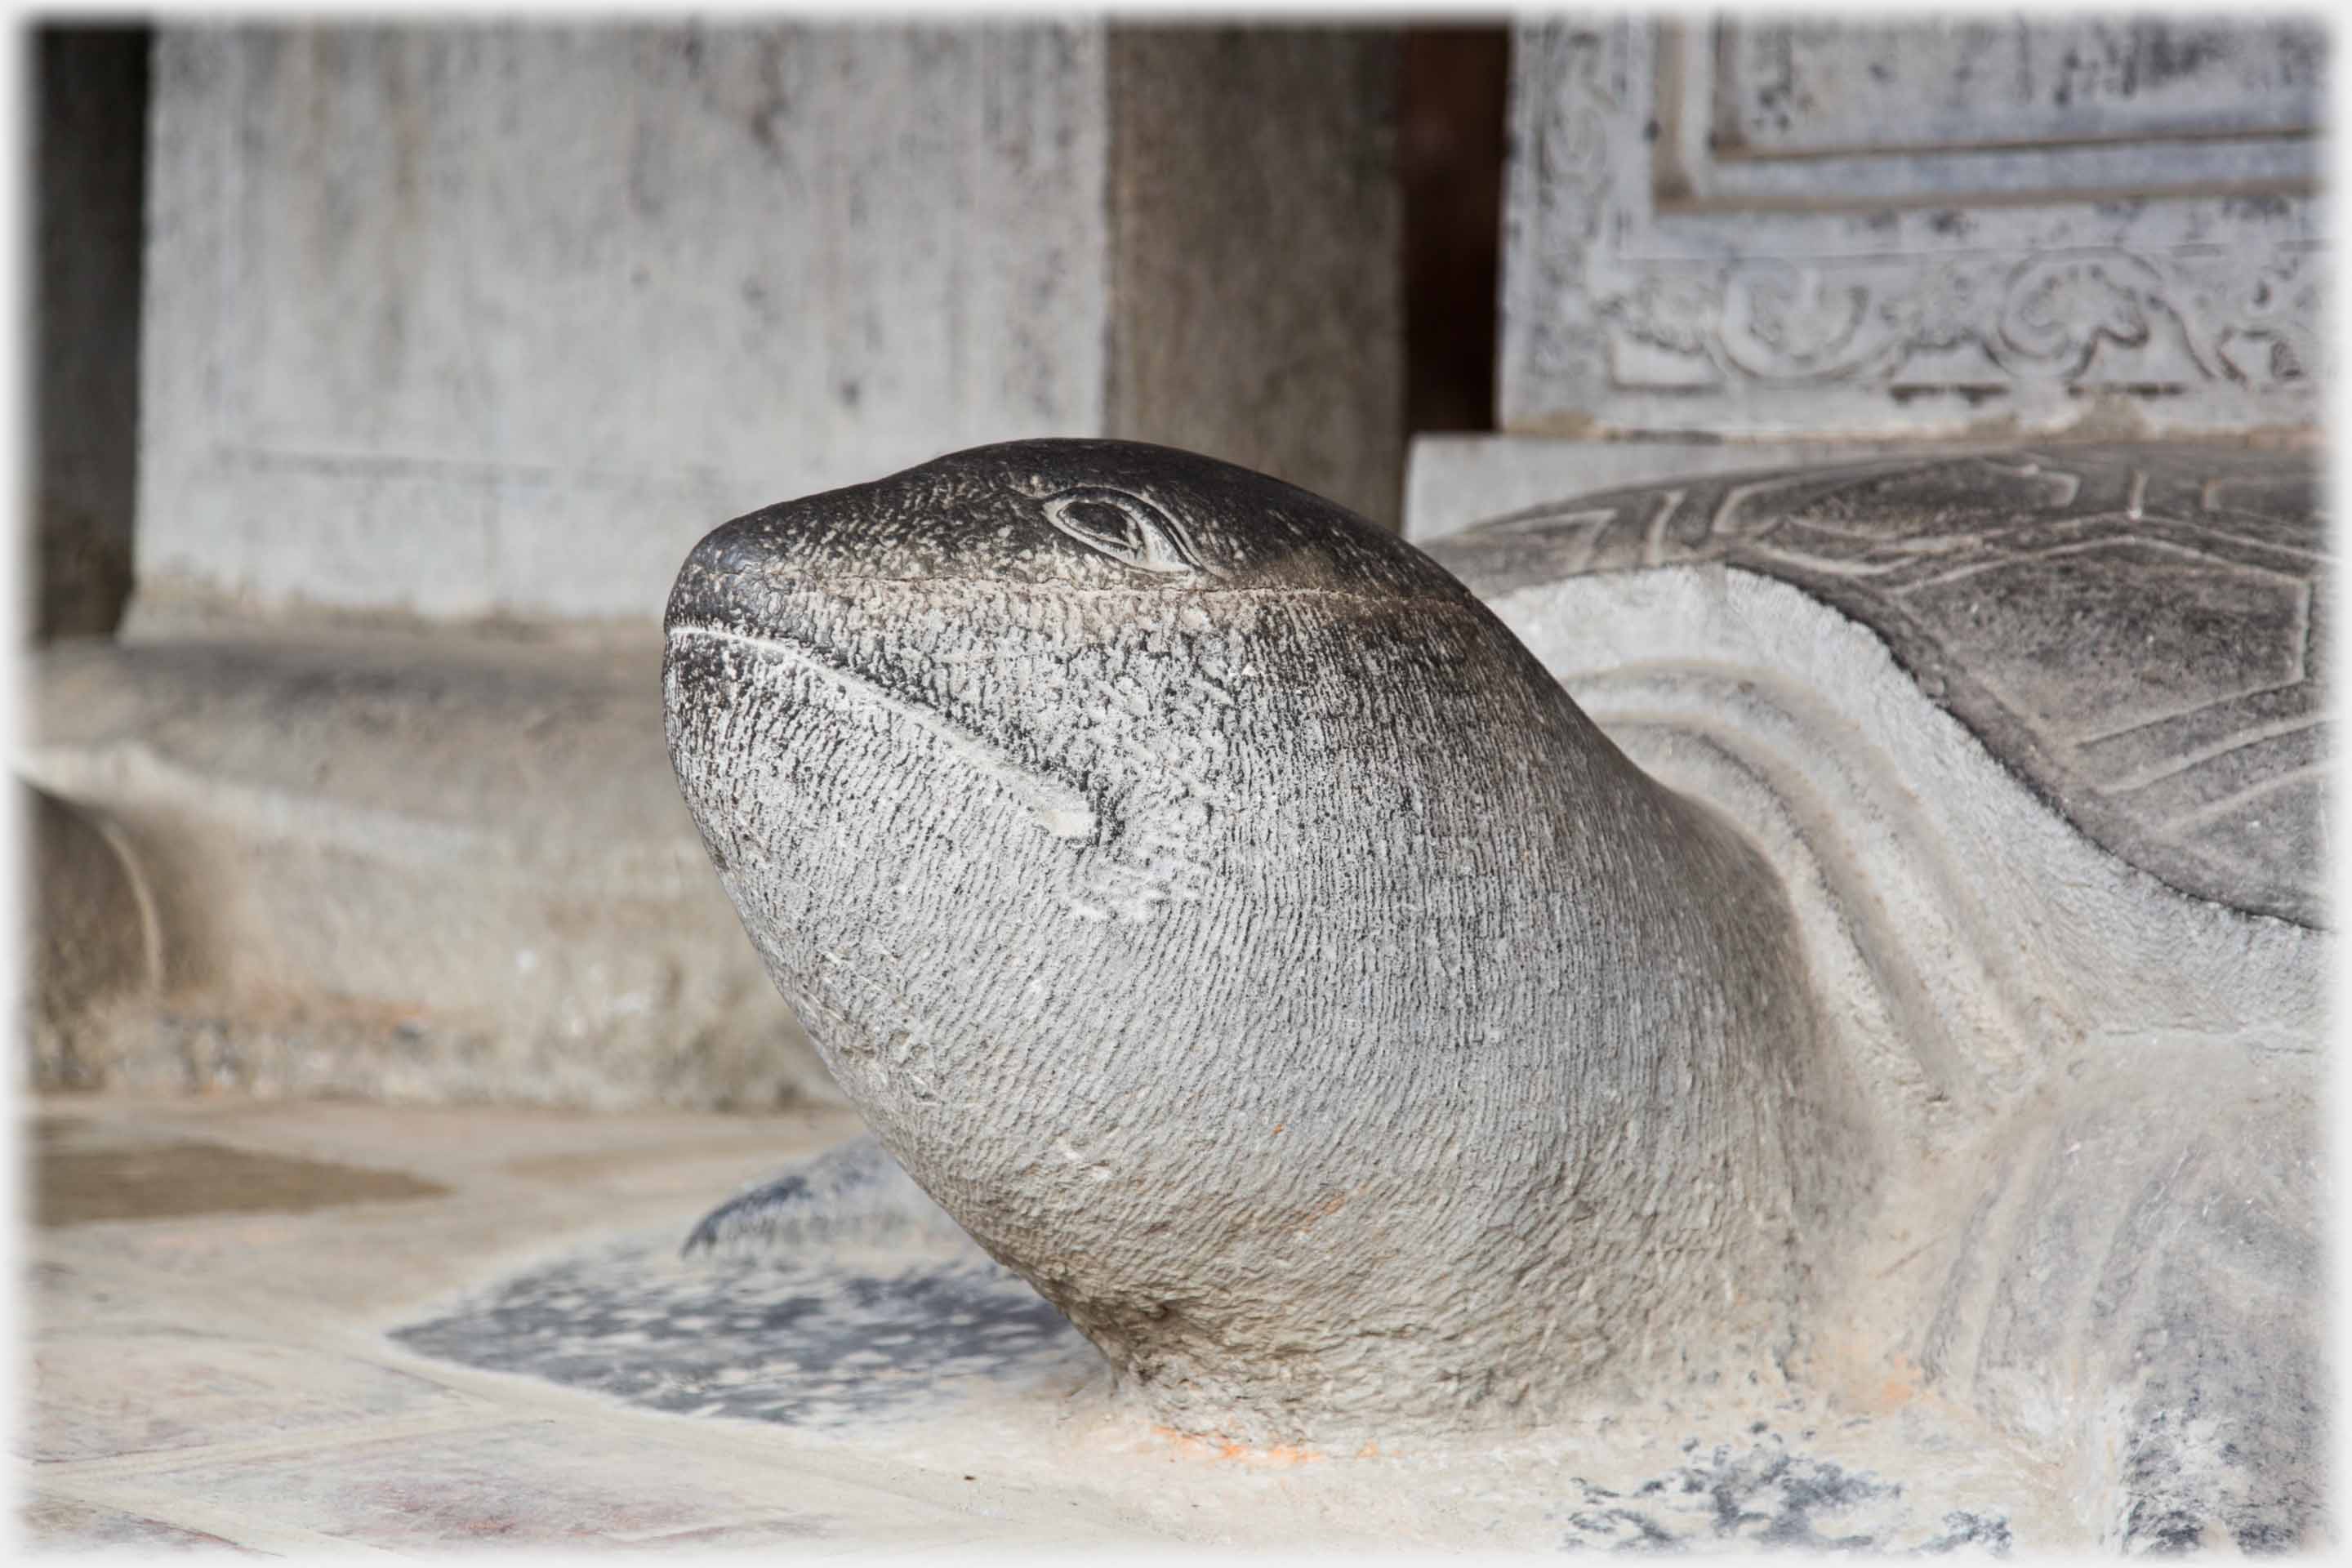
<point x="1061" y="810"/>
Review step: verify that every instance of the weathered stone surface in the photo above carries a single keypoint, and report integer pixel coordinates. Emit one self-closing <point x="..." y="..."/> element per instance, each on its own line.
<point x="91" y="949"/>
<point x="535" y="1480"/>
<point x="2139" y="1287"/>
<point x="1035" y="1463"/>
<point x="469" y="320"/>
<point x="1103" y="868"/>
<point x="854" y="1310"/>
<point x="1257" y="226"/>
<point x="856" y="1196"/>
<point x="825" y="1337"/>
<point x="2139" y="630"/>
<point x="2087" y="1068"/>
<point x="223" y="1379"/>
<point x="190" y="1390"/>
<point x="998" y="756"/>
<point x="466" y="320"/>
<point x="192" y="1177"/>
<point x="1758" y="227"/>
<point x="404" y="868"/>
<point x="60" y="1524"/>
<point x="1763" y="1495"/>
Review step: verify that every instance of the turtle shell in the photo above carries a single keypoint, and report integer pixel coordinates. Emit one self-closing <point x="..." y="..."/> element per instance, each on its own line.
<point x="2137" y="631"/>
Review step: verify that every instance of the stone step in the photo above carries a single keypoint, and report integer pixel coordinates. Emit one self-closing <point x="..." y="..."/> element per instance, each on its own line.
<point x="426" y="866"/>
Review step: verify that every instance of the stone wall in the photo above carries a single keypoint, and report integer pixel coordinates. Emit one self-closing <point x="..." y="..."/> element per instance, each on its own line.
<point x="1257" y="309"/>
<point x="498" y="321"/>
<point x="461" y="321"/>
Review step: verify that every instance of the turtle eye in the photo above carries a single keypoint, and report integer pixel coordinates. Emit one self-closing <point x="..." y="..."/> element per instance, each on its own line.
<point x="1129" y="529"/>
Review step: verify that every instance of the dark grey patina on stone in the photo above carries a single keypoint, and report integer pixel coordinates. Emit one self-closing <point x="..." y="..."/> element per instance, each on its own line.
<point x="847" y="1302"/>
<point x="2140" y="631"/>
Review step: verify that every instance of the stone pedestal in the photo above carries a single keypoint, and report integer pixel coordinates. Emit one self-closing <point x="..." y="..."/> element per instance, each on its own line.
<point x="393" y="868"/>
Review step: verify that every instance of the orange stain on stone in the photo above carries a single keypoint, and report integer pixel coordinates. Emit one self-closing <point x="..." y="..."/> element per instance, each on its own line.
<point x="1218" y="1448"/>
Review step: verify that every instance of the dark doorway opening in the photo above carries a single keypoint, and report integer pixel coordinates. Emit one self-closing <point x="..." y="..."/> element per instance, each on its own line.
<point x="88" y="125"/>
<point x="1451" y="138"/>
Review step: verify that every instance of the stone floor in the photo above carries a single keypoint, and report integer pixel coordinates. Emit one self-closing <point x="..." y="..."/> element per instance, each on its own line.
<point x="209" y="1284"/>
<point x="286" y="1328"/>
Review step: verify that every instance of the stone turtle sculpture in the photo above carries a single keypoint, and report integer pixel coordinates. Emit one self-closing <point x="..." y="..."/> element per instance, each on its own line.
<point x="1232" y="919"/>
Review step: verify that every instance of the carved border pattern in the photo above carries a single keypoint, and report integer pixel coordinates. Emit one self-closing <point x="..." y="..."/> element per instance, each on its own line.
<point x="2046" y="317"/>
<point x="2246" y="318"/>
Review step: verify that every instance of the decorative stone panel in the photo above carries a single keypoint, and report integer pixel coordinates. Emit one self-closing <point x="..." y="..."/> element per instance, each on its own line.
<point x="1755" y="228"/>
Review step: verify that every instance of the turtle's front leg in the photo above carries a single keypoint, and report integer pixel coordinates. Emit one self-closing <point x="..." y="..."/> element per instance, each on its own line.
<point x="857" y="1193"/>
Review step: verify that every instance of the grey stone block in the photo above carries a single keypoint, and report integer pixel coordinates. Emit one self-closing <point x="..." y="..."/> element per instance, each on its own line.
<point x="474" y="321"/>
<point x="1257" y="226"/>
<point x="410" y="867"/>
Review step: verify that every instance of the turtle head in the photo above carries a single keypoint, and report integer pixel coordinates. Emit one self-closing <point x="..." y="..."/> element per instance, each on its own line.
<point x="1100" y="810"/>
<point x="1020" y="671"/>
<point x="1184" y="877"/>
<point x="1047" y="629"/>
<point x="1041" y="728"/>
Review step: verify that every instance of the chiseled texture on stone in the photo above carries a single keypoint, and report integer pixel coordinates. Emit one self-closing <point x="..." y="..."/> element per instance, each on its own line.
<point x="1115" y="818"/>
<point x="1248" y="941"/>
<point x="2140" y="631"/>
<point x="1909" y="684"/>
